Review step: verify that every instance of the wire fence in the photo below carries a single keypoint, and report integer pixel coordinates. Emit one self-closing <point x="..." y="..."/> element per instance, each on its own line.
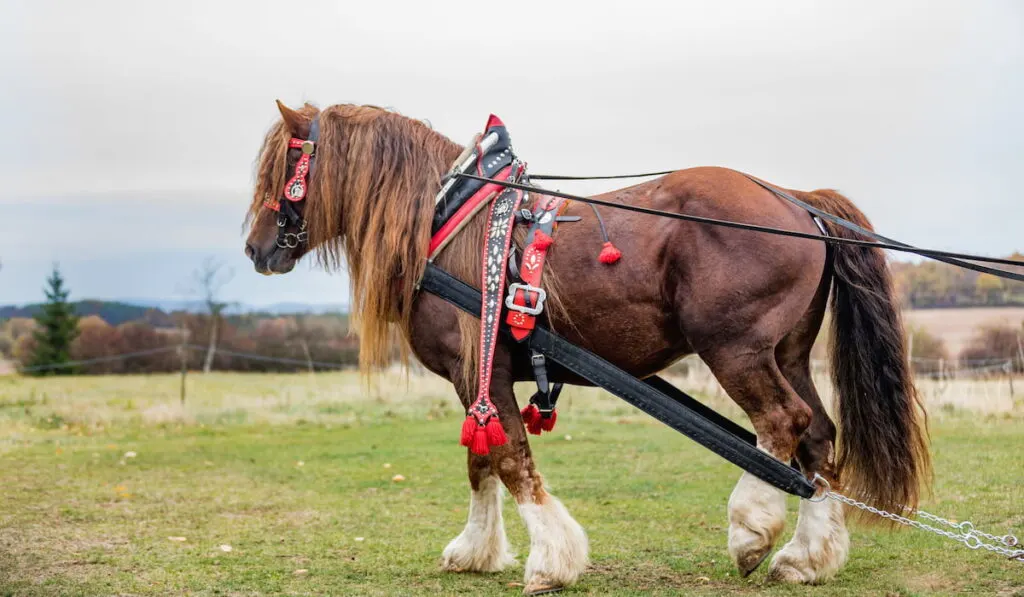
<point x="925" y="367"/>
<point x="74" y="364"/>
<point x="981" y="384"/>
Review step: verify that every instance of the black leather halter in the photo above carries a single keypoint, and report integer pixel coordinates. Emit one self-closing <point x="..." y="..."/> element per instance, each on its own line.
<point x="289" y="216"/>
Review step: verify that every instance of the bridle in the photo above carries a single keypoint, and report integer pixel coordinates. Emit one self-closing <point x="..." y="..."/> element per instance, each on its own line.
<point x="295" y="190"/>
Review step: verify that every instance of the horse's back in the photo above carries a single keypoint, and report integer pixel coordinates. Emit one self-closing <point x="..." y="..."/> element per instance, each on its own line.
<point x="682" y="285"/>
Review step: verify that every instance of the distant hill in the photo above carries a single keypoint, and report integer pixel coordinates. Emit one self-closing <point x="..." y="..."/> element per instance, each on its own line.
<point x="113" y="312"/>
<point x="158" y="312"/>
<point x="285" y="308"/>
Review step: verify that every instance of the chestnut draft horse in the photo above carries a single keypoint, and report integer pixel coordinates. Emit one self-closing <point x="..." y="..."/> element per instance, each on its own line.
<point x="749" y="304"/>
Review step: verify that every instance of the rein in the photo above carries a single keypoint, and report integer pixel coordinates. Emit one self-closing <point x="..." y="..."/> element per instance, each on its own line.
<point x="878" y="241"/>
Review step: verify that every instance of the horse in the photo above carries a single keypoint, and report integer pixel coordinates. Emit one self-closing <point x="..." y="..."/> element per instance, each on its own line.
<point x="749" y="304"/>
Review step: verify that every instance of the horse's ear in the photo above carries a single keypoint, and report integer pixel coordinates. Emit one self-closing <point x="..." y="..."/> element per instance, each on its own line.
<point x="295" y="121"/>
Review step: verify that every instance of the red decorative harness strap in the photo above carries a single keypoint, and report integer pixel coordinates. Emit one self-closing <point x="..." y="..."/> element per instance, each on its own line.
<point x="296" y="187"/>
<point x="482" y="429"/>
<point x="525" y="300"/>
<point x="465" y="213"/>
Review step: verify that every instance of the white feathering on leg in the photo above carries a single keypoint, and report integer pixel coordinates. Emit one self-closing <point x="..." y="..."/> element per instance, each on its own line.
<point x="559" y="548"/>
<point x="482" y="546"/>
<point x="757" y="515"/>
<point x="819" y="546"/>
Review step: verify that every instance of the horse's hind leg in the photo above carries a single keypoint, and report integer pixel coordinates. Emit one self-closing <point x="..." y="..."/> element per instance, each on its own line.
<point x="482" y="546"/>
<point x="757" y="511"/>
<point x="820" y="545"/>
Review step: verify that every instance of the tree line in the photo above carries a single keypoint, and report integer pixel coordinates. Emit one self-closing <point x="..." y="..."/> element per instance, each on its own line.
<point x="56" y="336"/>
<point x="57" y="339"/>
<point x="931" y="284"/>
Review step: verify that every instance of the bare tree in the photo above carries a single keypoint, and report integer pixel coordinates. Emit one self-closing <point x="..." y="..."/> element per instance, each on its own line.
<point x="207" y="282"/>
<point x="300" y="333"/>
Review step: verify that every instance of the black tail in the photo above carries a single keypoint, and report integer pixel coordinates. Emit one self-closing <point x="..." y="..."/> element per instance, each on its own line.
<point x="883" y="449"/>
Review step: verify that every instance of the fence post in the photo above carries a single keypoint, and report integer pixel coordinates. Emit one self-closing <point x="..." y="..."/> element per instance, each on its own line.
<point x="1020" y="351"/>
<point x="183" y="356"/>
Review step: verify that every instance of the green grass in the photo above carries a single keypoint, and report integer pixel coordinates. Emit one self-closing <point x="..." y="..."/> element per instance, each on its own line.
<point x="295" y="473"/>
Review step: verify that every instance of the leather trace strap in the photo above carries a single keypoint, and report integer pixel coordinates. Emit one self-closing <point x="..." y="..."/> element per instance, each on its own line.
<point x="482" y="428"/>
<point x="654" y="396"/>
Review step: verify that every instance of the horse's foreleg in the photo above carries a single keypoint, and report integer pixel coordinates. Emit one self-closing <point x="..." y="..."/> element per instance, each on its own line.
<point x="482" y="546"/>
<point x="757" y="511"/>
<point x="821" y="543"/>
<point x="558" y="544"/>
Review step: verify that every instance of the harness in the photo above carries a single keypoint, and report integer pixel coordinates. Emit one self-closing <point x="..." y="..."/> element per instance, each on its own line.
<point x="489" y="173"/>
<point x="295" y="190"/>
<point x="490" y="156"/>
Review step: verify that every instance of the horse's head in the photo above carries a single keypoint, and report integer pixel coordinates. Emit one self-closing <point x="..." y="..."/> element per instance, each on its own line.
<point x="278" y="237"/>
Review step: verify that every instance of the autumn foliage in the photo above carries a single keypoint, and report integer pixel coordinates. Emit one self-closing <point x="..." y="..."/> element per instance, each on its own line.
<point x="931" y="284"/>
<point x="322" y="341"/>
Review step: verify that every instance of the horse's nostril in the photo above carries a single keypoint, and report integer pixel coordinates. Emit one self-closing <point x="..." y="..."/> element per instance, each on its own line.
<point x="250" y="252"/>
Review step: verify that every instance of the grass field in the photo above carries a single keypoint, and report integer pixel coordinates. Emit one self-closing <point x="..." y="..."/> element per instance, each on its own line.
<point x="284" y="485"/>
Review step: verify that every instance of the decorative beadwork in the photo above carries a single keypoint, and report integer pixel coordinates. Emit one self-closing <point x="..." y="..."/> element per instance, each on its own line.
<point x="495" y="255"/>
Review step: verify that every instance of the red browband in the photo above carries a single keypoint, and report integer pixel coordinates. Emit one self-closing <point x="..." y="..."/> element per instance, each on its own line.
<point x="296" y="187"/>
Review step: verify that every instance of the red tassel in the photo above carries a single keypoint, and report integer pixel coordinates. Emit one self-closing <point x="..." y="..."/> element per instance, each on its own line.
<point x="531" y="416"/>
<point x="468" y="429"/>
<point x="549" y="424"/>
<point x="495" y="434"/>
<point x="479" y="444"/>
<point x="609" y="254"/>
<point x="542" y="241"/>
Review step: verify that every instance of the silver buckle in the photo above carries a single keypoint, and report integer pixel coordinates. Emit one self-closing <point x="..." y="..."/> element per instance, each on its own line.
<point x="510" y="299"/>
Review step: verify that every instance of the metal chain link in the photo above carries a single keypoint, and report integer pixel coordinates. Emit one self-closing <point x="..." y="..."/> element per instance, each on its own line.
<point x="966" y="534"/>
<point x="967" y="528"/>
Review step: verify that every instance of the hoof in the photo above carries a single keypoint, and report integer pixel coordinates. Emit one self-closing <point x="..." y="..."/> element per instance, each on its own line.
<point x="748" y="549"/>
<point x="748" y="566"/>
<point x="541" y="586"/>
<point x="757" y="515"/>
<point x="785" y="573"/>
<point x="817" y="551"/>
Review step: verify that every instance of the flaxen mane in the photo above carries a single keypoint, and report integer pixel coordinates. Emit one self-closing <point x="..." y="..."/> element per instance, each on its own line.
<point x="371" y="199"/>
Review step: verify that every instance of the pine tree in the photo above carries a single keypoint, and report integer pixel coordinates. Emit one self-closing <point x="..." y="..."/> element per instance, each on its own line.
<point x="57" y="327"/>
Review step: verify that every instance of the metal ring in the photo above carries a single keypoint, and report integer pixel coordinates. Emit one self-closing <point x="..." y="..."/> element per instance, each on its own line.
<point x="1010" y="541"/>
<point x="972" y="541"/>
<point x="826" y="488"/>
<point x="966" y="527"/>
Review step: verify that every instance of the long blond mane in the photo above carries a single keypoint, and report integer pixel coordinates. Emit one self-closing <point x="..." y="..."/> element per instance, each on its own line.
<point x="369" y="207"/>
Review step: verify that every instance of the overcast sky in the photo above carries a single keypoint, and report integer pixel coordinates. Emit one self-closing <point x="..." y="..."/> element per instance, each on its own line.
<point x="130" y="128"/>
